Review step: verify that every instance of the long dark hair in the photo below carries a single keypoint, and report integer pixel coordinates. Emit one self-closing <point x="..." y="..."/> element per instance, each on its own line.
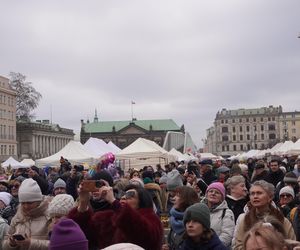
<point x="145" y="200"/>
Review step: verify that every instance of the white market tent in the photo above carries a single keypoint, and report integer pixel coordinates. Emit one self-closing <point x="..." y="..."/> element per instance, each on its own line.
<point x="284" y="148"/>
<point x="251" y="153"/>
<point x="14" y="164"/>
<point x="295" y="149"/>
<point x="143" y="152"/>
<point x="96" y="146"/>
<point x="114" y="148"/>
<point x="208" y="156"/>
<point x="274" y="148"/>
<point x="74" y="152"/>
<point x="29" y="162"/>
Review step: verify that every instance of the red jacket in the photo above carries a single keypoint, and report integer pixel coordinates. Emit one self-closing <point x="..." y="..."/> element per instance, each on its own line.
<point x="120" y="224"/>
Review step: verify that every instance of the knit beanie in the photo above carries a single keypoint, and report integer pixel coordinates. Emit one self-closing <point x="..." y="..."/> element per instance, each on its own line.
<point x="198" y="212"/>
<point x="123" y="246"/>
<point x="60" y="183"/>
<point x="30" y="191"/>
<point x="136" y="181"/>
<point x="61" y="204"/>
<point x="5" y="198"/>
<point x="67" y="235"/>
<point x="287" y="190"/>
<point x="217" y="185"/>
<point x="174" y="180"/>
<point x="290" y="177"/>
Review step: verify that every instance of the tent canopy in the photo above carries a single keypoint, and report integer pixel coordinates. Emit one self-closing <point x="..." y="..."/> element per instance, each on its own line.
<point x="96" y="146"/>
<point x="114" y="148"/>
<point x="295" y="149"/>
<point x="14" y="164"/>
<point x="284" y="148"/>
<point x="74" y="152"/>
<point x="143" y="152"/>
<point x="29" y="162"/>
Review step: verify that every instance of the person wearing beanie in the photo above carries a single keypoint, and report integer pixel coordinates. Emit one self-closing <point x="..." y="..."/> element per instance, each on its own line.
<point x="130" y="220"/>
<point x="199" y="234"/>
<point x="6" y="212"/>
<point x="67" y="235"/>
<point x="31" y="219"/>
<point x="221" y="217"/>
<point x="137" y="181"/>
<point x="59" y="187"/>
<point x="286" y="200"/>
<point x="289" y="179"/>
<point x="59" y="207"/>
<point x="124" y="246"/>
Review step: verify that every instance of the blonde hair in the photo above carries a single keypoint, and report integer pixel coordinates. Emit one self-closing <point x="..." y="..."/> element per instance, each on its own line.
<point x="268" y="233"/>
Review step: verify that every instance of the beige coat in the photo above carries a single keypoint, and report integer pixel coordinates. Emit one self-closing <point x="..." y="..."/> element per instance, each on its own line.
<point x="34" y="226"/>
<point x="239" y="233"/>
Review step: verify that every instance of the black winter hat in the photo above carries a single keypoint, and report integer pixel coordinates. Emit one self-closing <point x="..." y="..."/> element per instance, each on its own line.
<point x="104" y="175"/>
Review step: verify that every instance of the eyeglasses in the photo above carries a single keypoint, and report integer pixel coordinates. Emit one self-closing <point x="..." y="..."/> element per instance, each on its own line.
<point x="129" y="195"/>
<point x="15" y="186"/>
<point x="214" y="191"/>
<point x="286" y="195"/>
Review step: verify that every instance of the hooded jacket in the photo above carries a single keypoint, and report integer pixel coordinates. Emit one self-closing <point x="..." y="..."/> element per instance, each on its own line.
<point x="222" y="222"/>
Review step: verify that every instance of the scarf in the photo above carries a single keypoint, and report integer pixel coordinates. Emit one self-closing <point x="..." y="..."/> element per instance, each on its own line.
<point x="176" y="221"/>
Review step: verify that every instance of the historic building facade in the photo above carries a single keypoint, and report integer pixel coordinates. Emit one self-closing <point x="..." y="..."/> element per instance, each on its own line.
<point x="8" y="142"/>
<point x="123" y="133"/>
<point x="236" y="131"/>
<point x="41" y="139"/>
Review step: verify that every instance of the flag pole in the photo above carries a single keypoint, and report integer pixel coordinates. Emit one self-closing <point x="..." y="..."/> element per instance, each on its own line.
<point x="131" y="111"/>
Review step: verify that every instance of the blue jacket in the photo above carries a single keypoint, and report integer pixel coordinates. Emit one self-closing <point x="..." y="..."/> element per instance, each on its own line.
<point x="213" y="244"/>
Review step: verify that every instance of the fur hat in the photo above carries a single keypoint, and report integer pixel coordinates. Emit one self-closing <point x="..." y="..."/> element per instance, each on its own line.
<point x="67" y="235"/>
<point x="198" y="212"/>
<point x="60" y="183"/>
<point x="174" y="180"/>
<point x="217" y="185"/>
<point x="30" y="191"/>
<point x="5" y="198"/>
<point x="61" y="204"/>
<point x="287" y="190"/>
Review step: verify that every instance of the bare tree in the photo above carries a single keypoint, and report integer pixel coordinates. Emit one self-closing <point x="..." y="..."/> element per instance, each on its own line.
<point x="27" y="98"/>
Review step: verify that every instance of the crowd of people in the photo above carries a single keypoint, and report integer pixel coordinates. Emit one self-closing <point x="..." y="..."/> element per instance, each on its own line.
<point x="182" y="205"/>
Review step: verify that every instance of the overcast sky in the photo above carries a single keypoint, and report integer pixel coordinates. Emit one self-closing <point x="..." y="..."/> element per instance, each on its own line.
<point x="183" y="60"/>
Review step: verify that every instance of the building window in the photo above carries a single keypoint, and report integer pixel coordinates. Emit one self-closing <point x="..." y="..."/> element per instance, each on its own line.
<point x="233" y="129"/>
<point x="234" y="137"/>
<point x="233" y="120"/>
<point x="255" y="137"/>
<point x="294" y="131"/>
<point x="240" y="120"/>
<point x="293" y="123"/>
<point x="224" y="138"/>
<point x="224" y="129"/>
<point x="248" y="147"/>
<point x="262" y="127"/>
<point x="261" y="119"/>
<point x="247" y="119"/>
<point x="248" y="137"/>
<point x="254" y="127"/>
<point x="234" y="147"/>
<point x="241" y="137"/>
<point x="241" y="147"/>
<point x="272" y="136"/>
<point x="254" y="119"/>
<point x="271" y="127"/>
<point x="262" y="136"/>
<point x="226" y="121"/>
<point x="223" y="148"/>
<point x="248" y="128"/>
<point x="273" y="118"/>
<point x="262" y="146"/>
<point x="255" y="146"/>
<point x="227" y="147"/>
<point x="269" y="119"/>
<point x="222" y="121"/>
<point x="241" y="129"/>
